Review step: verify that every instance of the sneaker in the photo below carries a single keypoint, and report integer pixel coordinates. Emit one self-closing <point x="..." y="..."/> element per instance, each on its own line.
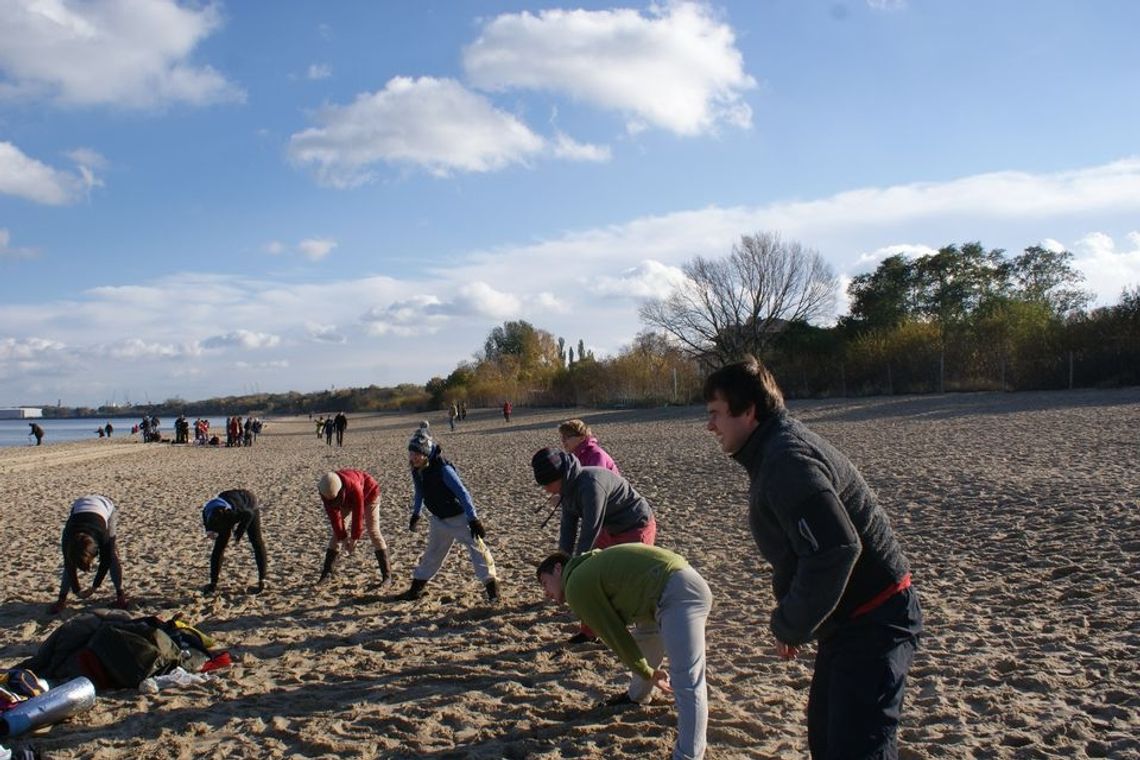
<point x="581" y="638"/>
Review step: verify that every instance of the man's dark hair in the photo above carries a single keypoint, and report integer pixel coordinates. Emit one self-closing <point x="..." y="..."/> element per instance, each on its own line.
<point x="558" y="559"/>
<point x="743" y="384"/>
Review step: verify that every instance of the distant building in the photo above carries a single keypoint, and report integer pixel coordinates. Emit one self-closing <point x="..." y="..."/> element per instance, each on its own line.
<point x="21" y="413"/>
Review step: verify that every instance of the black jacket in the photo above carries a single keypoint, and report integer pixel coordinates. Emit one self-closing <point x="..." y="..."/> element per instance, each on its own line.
<point x="818" y="523"/>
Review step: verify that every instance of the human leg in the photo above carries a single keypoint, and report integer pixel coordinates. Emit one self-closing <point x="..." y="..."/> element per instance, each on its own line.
<point x="439" y="544"/>
<point x="682" y="612"/>
<point x="857" y="690"/>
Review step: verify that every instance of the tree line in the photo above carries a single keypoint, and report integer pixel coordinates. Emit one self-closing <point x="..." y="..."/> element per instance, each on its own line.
<point x="962" y="319"/>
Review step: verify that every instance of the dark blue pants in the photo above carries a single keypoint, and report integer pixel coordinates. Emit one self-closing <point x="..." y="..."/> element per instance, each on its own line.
<point x="857" y="689"/>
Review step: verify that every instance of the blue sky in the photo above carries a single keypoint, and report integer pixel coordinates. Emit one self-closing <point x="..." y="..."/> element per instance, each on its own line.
<point x="202" y="199"/>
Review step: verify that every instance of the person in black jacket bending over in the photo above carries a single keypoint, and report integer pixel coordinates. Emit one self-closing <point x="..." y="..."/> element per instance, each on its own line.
<point x="234" y="512"/>
<point x="838" y="574"/>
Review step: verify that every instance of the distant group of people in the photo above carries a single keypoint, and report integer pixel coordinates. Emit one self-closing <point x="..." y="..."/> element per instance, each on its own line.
<point x="105" y="431"/>
<point x="839" y="576"/>
<point x="239" y="433"/>
<point x="330" y="426"/>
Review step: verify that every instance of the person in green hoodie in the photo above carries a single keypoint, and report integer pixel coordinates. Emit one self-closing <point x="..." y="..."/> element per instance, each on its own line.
<point x="667" y="601"/>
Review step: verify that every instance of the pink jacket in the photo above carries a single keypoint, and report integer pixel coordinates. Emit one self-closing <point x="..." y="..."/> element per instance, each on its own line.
<point x="590" y="454"/>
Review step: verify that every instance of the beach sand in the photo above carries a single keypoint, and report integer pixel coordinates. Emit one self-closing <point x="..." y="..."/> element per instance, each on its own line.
<point x="1018" y="512"/>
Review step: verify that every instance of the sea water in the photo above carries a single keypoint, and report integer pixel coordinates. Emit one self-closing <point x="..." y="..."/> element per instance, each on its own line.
<point x="19" y="432"/>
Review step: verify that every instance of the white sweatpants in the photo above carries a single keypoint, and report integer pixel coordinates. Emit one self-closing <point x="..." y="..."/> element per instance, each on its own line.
<point x="442" y="533"/>
<point x="680" y="634"/>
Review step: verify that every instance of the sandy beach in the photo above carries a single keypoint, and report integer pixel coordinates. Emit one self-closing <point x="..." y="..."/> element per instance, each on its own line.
<point x="1019" y="513"/>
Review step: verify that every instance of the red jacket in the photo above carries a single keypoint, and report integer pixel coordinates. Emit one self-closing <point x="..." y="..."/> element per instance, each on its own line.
<point x="359" y="489"/>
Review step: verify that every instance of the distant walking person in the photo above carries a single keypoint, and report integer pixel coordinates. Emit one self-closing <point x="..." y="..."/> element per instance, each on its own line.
<point x="90" y="532"/>
<point x="437" y="486"/>
<point x="330" y="427"/>
<point x="38" y="432"/>
<point x="666" y="601"/>
<point x="108" y="429"/>
<point x="507" y="409"/>
<point x="839" y="576"/>
<point x="340" y="423"/>
<point x="352" y="496"/>
<point x="234" y="512"/>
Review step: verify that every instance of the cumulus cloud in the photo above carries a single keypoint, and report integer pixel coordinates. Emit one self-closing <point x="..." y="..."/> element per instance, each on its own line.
<point x="109" y="52"/>
<point x="434" y="124"/>
<point x="319" y="71"/>
<point x="324" y="333"/>
<point x="33" y="180"/>
<point x="274" y="248"/>
<point x="649" y="279"/>
<point x="1108" y="269"/>
<point x="886" y="5"/>
<point x="910" y="250"/>
<point x="242" y="339"/>
<point x="14" y="349"/>
<point x="676" y="67"/>
<point x="418" y="315"/>
<point x="8" y="251"/>
<point x="136" y="348"/>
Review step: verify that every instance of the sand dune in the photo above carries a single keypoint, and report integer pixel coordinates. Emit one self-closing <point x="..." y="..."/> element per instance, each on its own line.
<point x="1019" y="514"/>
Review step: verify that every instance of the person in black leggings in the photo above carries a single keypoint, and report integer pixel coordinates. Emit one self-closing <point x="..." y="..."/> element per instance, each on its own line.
<point x="234" y="512"/>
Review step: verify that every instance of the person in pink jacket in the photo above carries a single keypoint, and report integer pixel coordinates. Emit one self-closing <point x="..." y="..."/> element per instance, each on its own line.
<point x="579" y="440"/>
<point x="352" y="494"/>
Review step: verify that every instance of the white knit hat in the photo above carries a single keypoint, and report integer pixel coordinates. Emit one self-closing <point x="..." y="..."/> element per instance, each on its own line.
<point x="329" y="485"/>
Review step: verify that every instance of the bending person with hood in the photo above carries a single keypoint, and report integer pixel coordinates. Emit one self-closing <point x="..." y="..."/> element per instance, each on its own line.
<point x="453" y="517"/>
<point x="355" y="495"/>
<point x="234" y="512"/>
<point x="90" y="532"/>
<point x="599" y="508"/>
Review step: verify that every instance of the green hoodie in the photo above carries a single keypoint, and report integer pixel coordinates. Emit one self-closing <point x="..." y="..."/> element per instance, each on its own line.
<point x="611" y="589"/>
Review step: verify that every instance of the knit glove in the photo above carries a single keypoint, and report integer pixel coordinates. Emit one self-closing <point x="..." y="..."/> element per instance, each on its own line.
<point x="477" y="530"/>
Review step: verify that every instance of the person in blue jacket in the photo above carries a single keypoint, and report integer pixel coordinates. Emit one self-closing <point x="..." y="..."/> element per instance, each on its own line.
<point x="438" y="487"/>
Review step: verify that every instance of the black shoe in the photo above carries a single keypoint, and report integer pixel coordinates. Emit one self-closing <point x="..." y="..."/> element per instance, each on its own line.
<point x="414" y="592"/>
<point x="492" y="587"/>
<point x="619" y="700"/>
<point x="581" y="638"/>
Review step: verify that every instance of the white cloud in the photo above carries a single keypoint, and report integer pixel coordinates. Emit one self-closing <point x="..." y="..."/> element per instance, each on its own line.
<point x="12" y="349"/>
<point x="319" y="71"/>
<point x="418" y="315"/>
<point x="435" y="124"/>
<point x="676" y="68"/>
<point x="275" y="364"/>
<point x="480" y="298"/>
<point x="324" y="333"/>
<point x="568" y="148"/>
<point x="135" y="348"/>
<point x="242" y="339"/>
<point x="7" y="251"/>
<point x="887" y="5"/>
<point x="1049" y="244"/>
<point x="274" y="248"/>
<point x="649" y="279"/>
<point x="25" y="177"/>
<point x="1107" y="270"/>
<point x="109" y="52"/>
<point x="316" y="249"/>
<point x="910" y="250"/>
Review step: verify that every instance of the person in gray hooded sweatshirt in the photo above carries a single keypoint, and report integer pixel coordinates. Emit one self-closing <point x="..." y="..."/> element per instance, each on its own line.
<point x="599" y="509"/>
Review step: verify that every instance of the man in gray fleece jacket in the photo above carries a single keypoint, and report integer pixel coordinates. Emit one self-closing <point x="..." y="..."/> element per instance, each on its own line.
<point x="838" y="574"/>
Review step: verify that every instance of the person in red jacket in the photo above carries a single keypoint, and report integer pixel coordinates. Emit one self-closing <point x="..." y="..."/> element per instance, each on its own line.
<point x="355" y="495"/>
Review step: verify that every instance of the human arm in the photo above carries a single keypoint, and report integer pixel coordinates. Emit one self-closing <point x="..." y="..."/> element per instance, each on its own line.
<point x="568" y="527"/>
<point x="590" y="603"/>
<point x="591" y="498"/>
<point x="455" y="485"/>
<point x="827" y="547"/>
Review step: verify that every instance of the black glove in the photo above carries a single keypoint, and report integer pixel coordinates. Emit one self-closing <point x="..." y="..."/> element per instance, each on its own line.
<point x="477" y="530"/>
<point x="412" y="522"/>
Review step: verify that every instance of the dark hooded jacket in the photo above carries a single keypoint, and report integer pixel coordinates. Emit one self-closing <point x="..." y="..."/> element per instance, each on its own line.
<point x="598" y="499"/>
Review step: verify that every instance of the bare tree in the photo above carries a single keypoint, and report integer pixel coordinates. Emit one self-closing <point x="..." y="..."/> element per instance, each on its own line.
<point x="737" y="305"/>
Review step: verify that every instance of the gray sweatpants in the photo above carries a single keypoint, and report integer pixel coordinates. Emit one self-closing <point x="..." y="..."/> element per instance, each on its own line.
<point x="441" y="535"/>
<point x="680" y="634"/>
